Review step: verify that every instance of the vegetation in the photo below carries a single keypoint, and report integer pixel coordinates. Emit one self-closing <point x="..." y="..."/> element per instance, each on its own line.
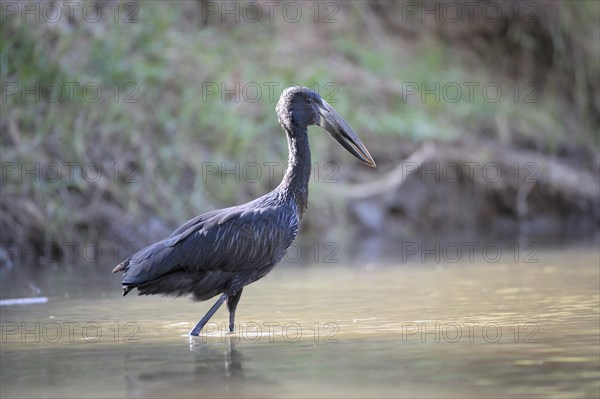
<point x="145" y="137"/>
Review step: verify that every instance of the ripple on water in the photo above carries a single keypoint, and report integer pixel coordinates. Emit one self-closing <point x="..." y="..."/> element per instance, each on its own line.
<point x="461" y="331"/>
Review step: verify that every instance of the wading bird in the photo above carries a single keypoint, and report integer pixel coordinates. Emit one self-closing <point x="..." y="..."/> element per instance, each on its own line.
<point x="222" y="251"/>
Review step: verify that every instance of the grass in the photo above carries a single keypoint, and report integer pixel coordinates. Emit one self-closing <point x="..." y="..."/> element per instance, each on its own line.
<point x="167" y="61"/>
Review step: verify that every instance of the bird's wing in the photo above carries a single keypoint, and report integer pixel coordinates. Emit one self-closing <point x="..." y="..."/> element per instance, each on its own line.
<point x="233" y="239"/>
<point x="199" y="221"/>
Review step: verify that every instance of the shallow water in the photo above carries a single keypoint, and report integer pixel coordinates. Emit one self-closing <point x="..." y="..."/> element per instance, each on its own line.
<point x="384" y="330"/>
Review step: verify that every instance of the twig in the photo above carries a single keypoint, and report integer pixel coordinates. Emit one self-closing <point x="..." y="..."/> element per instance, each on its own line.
<point x="395" y="178"/>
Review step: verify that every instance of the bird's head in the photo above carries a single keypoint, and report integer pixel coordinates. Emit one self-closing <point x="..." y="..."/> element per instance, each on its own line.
<point x="299" y="107"/>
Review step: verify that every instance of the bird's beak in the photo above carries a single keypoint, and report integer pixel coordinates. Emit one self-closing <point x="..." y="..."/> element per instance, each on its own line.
<point x="331" y="121"/>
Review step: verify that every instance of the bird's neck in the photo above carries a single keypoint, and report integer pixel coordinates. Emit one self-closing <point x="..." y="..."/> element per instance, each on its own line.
<point x="295" y="180"/>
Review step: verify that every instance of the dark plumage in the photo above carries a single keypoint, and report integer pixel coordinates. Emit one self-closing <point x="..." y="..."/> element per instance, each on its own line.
<point x="224" y="250"/>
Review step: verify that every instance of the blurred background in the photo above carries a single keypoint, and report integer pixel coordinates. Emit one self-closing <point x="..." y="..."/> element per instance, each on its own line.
<point x="464" y="265"/>
<point x="122" y="120"/>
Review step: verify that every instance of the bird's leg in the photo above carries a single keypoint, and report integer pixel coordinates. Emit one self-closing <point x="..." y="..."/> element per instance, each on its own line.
<point x="232" y="303"/>
<point x="196" y="330"/>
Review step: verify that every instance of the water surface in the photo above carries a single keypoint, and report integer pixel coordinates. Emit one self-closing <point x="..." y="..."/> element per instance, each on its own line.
<point x="380" y="330"/>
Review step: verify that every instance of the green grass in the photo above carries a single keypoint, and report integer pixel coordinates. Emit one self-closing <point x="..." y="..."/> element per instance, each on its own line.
<point x="173" y="129"/>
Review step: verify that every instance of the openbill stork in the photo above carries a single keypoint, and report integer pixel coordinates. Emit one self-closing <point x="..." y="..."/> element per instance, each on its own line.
<point x="222" y="251"/>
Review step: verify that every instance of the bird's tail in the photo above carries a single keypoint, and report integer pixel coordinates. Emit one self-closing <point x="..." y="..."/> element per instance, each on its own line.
<point x="148" y="265"/>
<point x="122" y="267"/>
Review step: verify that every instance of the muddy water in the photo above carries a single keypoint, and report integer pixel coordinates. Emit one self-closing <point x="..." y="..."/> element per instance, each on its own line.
<point x="383" y="330"/>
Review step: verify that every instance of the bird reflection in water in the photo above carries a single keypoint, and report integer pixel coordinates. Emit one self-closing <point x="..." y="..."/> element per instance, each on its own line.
<point x="232" y="357"/>
<point x="200" y="368"/>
